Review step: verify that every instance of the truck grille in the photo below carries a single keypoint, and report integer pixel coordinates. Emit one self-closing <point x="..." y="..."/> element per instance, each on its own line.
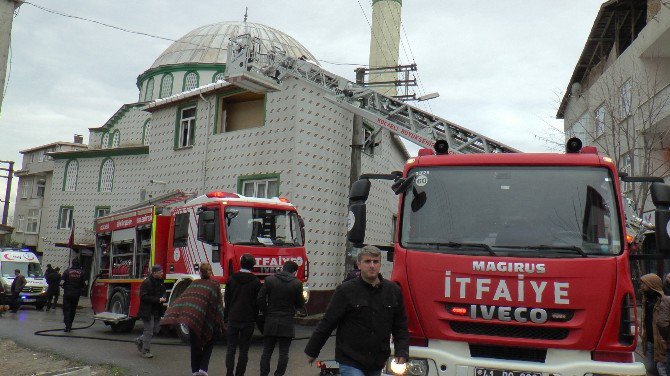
<point x="514" y="331"/>
<point x="508" y="353"/>
<point x="32" y="289"/>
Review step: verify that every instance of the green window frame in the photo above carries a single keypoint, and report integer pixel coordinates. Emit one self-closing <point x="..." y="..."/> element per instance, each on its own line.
<point x="145" y="132"/>
<point x="65" y="223"/>
<point x="191" y="85"/>
<point x="149" y="90"/>
<point x="216" y="74"/>
<point x="116" y="139"/>
<point x="185" y="138"/>
<point x="167" y="81"/>
<point x="259" y="181"/>
<point x="106" y="175"/>
<point x="104" y="140"/>
<point x="98" y="209"/>
<point x="71" y="172"/>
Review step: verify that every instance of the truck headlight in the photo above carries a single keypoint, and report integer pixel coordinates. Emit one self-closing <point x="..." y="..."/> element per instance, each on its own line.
<point x="44" y="290"/>
<point x="413" y="367"/>
<point x="305" y="294"/>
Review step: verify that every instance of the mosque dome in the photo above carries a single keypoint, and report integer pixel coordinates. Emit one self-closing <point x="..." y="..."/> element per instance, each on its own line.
<point x="199" y="57"/>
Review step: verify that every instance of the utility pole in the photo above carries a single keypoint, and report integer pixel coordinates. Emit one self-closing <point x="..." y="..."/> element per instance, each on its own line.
<point x="7" y="8"/>
<point x="8" y="189"/>
<point x="355" y="171"/>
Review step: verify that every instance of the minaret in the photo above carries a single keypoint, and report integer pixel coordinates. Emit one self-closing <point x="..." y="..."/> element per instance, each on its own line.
<point x="385" y="41"/>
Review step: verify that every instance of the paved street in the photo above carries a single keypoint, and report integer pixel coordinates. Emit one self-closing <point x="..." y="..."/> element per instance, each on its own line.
<point x="170" y="358"/>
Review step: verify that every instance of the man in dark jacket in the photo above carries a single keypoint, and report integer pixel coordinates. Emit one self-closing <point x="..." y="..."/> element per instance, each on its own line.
<point x="73" y="283"/>
<point x="53" y="291"/>
<point x="279" y="298"/>
<point x="17" y="286"/>
<point x="240" y="313"/>
<point x="366" y="311"/>
<point x="152" y="297"/>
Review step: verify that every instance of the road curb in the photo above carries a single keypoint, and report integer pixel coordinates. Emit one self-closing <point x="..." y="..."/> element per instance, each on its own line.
<point x="76" y="371"/>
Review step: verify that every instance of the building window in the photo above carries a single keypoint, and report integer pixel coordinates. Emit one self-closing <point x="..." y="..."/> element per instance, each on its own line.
<point x="101" y="211"/>
<point x="70" y="181"/>
<point x="626" y="99"/>
<point x="262" y="186"/>
<point x="43" y="156"/>
<point x="116" y="139"/>
<point x="235" y="112"/>
<point x="186" y="127"/>
<point x="65" y="217"/>
<point x="218" y="76"/>
<point x="31" y="157"/>
<point x="149" y="91"/>
<point x="190" y="81"/>
<point x="599" y="116"/>
<point x="104" y="143"/>
<point x="20" y="223"/>
<point x="627" y="167"/>
<point x="26" y="187"/>
<point x="166" y="85"/>
<point x="145" y="133"/>
<point x="579" y="128"/>
<point x="41" y="187"/>
<point x="33" y="221"/>
<point x="106" y="176"/>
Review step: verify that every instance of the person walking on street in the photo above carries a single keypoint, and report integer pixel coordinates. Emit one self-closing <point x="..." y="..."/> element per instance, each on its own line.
<point x="53" y="291"/>
<point x="48" y="270"/>
<point x="279" y="298"/>
<point x="362" y="344"/>
<point x="152" y="297"/>
<point x="655" y="323"/>
<point x="17" y="286"/>
<point x="240" y="313"/>
<point x="200" y="308"/>
<point x="73" y="282"/>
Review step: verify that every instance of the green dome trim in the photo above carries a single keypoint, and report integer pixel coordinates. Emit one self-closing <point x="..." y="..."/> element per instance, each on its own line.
<point x="376" y="1"/>
<point x="160" y="71"/>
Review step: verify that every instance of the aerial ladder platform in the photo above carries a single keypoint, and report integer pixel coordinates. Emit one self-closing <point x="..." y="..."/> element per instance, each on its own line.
<point x="263" y="71"/>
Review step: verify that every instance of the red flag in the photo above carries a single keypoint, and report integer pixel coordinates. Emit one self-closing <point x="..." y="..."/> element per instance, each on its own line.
<point x="70" y="242"/>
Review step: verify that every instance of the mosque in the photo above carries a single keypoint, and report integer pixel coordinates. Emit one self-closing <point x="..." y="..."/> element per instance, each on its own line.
<point x="190" y="130"/>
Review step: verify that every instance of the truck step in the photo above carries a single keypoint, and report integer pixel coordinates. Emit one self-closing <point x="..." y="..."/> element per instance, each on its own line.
<point x="111" y="317"/>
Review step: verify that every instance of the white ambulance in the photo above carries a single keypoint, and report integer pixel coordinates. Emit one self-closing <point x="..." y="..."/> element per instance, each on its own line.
<point x="36" y="287"/>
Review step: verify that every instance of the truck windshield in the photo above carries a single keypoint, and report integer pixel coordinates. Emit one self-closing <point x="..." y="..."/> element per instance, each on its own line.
<point x="28" y="269"/>
<point x="507" y="211"/>
<point x="263" y="227"/>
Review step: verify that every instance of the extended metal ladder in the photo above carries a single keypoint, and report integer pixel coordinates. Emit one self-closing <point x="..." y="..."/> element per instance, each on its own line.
<point x="253" y="70"/>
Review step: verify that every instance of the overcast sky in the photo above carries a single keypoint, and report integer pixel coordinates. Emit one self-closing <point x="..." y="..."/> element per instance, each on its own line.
<point x="500" y="66"/>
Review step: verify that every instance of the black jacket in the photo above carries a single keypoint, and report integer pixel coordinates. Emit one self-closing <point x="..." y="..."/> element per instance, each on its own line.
<point x="53" y="280"/>
<point x="365" y="317"/>
<point x="240" y="304"/>
<point x="151" y="290"/>
<point x="279" y="298"/>
<point x="73" y="282"/>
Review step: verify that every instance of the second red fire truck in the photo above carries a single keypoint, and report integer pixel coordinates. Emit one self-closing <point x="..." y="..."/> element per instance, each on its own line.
<point x="179" y="232"/>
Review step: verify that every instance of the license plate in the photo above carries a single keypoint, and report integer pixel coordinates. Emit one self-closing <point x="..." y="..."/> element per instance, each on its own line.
<point x="29" y="300"/>
<point x="500" y="372"/>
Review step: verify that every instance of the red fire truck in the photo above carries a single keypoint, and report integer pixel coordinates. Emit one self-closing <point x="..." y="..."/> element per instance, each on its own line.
<point x="525" y="259"/>
<point x="178" y="233"/>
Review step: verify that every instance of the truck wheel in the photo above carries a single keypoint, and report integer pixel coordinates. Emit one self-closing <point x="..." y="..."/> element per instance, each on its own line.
<point x="119" y="304"/>
<point x="183" y="333"/>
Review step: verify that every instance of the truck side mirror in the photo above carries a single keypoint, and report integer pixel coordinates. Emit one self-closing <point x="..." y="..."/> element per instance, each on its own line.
<point x="208" y="226"/>
<point x="359" y="193"/>
<point x="660" y="196"/>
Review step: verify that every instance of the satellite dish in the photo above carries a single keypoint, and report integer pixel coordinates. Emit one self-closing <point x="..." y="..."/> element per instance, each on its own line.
<point x="576" y="89"/>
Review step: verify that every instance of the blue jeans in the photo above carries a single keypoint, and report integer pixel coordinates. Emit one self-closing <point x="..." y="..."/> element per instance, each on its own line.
<point x="346" y="370"/>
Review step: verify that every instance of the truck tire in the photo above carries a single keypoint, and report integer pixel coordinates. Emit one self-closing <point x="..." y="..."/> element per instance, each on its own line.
<point x="119" y="303"/>
<point x="178" y="289"/>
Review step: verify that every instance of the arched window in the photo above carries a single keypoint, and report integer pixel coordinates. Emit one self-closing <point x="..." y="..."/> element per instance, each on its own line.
<point x="106" y="176"/>
<point x="145" y="133"/>
<point x="190" y="81"/>
<point x="218" y="76"/>
<point x="70" y="180"/>
<point x="104" y="143"/>
<point x="116" y="139"/>
<point x="149" y="91"/>
<point x="166" y="85"/>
